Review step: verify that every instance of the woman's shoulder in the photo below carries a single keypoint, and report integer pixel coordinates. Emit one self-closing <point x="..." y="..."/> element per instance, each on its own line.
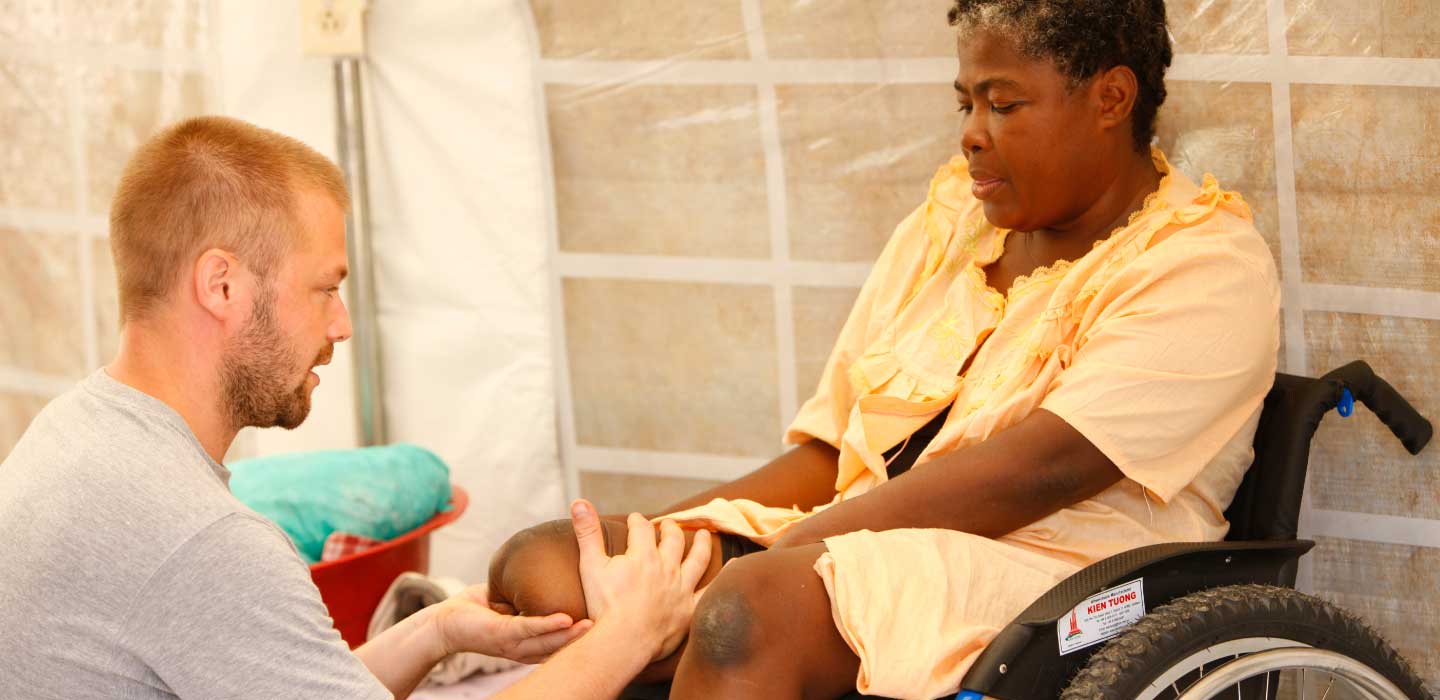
<point x="1206" y="216"/>
<point x="1224" y="225"/>
<point x="1189" y="239"/>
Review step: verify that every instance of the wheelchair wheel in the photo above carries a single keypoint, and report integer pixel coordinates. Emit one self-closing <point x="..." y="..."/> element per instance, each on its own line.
<point x="1246" y="642"/>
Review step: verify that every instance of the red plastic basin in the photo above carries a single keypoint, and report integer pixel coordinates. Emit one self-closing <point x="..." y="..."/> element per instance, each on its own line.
<point x="353" y="586"/>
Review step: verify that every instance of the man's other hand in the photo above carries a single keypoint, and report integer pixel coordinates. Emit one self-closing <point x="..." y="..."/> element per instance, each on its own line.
<point x="466" y="622"/>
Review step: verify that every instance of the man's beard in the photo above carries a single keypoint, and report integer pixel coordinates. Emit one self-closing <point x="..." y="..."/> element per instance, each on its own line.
<point x="256" y="373"/>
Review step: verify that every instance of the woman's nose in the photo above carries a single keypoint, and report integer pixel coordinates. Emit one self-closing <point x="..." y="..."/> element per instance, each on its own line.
<point x="974" y="136"/>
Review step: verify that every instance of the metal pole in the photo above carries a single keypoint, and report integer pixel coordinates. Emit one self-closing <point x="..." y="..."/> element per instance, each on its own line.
<point x="360" y="286"/>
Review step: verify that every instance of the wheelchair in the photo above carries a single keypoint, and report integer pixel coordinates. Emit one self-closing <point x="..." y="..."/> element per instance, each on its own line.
<point x="1201" y="620"/>
<point x="1223" y="619"/>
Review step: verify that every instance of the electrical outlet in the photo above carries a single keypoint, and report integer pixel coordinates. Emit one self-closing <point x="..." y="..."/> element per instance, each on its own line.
<point x="332" y="27"/>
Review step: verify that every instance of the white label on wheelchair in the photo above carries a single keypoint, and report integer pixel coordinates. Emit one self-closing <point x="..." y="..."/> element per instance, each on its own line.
<point x="1101" y="616"/>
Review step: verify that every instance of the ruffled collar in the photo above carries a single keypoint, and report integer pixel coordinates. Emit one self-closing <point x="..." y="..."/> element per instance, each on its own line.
<point x="1161" y="197"/>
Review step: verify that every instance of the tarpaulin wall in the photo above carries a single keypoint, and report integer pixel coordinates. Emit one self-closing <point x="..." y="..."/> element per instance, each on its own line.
<point x="725" y="172"/>
<point x="80" y="85"/>
<point x="458" y="179"/>
<point x="456" y="172"/>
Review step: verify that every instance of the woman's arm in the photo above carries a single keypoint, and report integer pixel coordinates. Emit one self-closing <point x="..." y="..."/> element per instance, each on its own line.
<point x="1015" y="478"/>
<point x="804" y="477"/>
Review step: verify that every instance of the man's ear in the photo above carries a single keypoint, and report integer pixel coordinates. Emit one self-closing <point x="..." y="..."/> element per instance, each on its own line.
<point x="1115" y="91"/>
<point x="217" y="281"/>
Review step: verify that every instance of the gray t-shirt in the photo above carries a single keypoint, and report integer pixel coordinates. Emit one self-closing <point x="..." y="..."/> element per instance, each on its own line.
<point x="127" y="570"/>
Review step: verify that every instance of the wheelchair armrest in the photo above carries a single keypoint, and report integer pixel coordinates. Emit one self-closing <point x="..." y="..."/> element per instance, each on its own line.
<point x="1030" y="642"/>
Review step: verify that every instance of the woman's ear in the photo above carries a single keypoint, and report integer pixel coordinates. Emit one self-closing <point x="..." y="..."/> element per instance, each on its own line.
<point x="1115" y="91"/>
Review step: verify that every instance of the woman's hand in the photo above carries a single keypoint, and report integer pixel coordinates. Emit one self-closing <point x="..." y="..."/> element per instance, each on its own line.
<point x="466" y="622"/>
<point x="649" y="591"/>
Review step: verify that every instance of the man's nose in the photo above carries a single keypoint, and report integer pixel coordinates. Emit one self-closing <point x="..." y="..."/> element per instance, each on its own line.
<point x="340" y="329"/>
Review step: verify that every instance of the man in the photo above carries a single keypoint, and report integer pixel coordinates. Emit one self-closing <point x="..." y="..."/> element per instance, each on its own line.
<point x="130" y="571"/>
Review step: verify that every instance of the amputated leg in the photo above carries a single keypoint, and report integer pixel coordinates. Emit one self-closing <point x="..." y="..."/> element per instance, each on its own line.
<point x="537" y="573"/>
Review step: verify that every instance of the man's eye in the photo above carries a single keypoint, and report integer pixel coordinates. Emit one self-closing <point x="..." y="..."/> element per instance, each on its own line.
<point x="965" y="109"/>
<point x="1003" y="107"/>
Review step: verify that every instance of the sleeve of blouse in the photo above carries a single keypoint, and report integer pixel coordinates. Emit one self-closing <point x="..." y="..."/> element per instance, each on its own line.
<point x="1179" y="354"/>
<point x="825" y="415"/>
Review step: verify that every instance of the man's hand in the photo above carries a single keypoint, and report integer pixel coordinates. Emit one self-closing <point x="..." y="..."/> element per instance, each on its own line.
<point x="466" y="622"/>
<point x="649" y="591"/>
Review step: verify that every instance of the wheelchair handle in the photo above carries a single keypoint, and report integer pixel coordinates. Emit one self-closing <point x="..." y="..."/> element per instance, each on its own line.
<point x="1413" y="430"/>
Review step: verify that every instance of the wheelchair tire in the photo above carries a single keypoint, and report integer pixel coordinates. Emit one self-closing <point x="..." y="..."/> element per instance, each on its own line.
<point x="1247" y="615"/>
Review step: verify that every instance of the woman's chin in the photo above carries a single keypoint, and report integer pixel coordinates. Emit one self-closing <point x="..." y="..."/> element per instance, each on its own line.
<point x="1001" y="215"/>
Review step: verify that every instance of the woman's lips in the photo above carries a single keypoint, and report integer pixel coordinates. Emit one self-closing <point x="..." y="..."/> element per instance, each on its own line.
<point x="983" y="188"/>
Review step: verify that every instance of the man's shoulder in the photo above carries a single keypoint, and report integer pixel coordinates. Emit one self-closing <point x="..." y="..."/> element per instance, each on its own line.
<point x="79" y="447"/>
<point x="95" y="501"/>
<point x="238" y="548"/>
<point x="82" y="423"/>
<point x="91" y="479"/>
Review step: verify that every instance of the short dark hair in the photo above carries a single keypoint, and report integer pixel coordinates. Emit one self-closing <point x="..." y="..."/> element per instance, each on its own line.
<point x="1083" y="38"/>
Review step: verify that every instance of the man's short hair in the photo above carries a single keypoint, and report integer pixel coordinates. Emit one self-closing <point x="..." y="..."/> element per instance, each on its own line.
<point x="209" y="182"/>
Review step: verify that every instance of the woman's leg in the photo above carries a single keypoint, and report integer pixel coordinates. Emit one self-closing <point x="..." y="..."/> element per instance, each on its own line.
<point x="765" y="629"/>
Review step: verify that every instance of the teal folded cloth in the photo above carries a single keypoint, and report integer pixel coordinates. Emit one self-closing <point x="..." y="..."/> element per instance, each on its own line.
<point x="377" y="492"/>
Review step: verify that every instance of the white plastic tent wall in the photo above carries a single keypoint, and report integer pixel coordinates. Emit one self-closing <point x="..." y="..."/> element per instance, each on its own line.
<point x="459" y="223"/>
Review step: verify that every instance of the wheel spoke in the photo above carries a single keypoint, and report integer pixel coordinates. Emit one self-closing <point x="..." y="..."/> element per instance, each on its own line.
<point x="1369" y="681"/>
<point x="1238" y="696"/>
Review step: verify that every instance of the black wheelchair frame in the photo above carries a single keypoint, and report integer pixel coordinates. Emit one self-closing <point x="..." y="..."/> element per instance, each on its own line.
<point x="1261" y="546"/>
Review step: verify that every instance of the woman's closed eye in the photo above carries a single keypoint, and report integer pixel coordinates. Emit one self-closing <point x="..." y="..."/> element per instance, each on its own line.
<point x="996" y="107"/>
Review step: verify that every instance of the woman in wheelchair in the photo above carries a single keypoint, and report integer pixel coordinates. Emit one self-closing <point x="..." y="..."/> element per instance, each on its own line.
<point x="1061" y="354"/>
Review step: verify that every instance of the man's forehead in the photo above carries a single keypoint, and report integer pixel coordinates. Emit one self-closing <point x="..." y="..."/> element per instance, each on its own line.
<point x="319" y="253"/>
<point x="327" y="265"/>
<point x="321" y="218"/>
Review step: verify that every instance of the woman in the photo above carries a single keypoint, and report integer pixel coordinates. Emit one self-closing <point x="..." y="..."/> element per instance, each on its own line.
<point x="1069" y="342"/>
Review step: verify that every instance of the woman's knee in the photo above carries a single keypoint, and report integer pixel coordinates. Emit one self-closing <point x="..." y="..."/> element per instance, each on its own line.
<point x="767" y="619"/>
<point x="751" y="605"/>
<point x="723" y="629"/>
